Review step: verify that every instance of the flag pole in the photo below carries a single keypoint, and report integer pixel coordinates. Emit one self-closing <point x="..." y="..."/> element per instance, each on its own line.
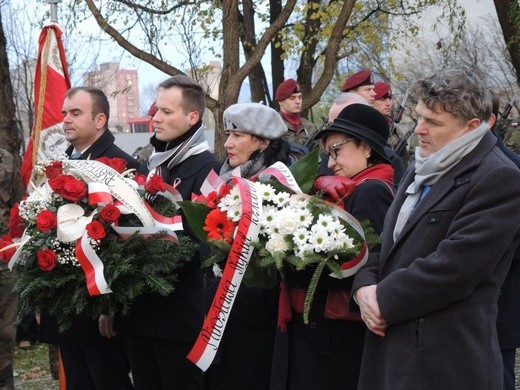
<point x="61" y="371"/>
<point x="54" y="9"/>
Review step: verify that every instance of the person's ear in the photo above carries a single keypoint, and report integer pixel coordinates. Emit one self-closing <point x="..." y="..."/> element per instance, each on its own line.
<point x="472" y="124"/>
<point x="101" y="120"/>
<point x="193" y="117"/>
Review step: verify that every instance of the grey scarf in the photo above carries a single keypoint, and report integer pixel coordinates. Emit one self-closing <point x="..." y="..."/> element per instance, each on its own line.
<point x="196" y="144"/>
<point x="247" y="169"/>
<point x="428" y="170"/>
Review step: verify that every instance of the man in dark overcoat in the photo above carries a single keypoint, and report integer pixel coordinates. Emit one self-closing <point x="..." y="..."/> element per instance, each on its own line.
<point x="429" y="299"/>
<point x="91" y="361"/>
<point x="160" y="331"/>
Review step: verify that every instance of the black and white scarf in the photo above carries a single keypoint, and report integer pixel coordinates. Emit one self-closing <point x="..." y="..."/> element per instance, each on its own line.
<point x="191" y="146"/>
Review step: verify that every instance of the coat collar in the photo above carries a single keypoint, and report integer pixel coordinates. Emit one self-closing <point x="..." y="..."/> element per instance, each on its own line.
<point x="458" y="176"/>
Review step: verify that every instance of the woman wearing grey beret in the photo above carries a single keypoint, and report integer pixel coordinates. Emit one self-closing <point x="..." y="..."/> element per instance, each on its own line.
<point x="254" y="142"/>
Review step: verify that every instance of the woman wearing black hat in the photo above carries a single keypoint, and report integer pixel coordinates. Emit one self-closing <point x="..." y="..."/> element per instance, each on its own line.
<point x="326" y="353"/>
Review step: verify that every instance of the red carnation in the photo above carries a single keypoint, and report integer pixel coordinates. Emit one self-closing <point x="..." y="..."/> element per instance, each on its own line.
<point x="218" y="226"/>
<point x="110" y="213"/>
<point x="154" y="185"/>
<point x="212" y="200"/>
<point x="6" y="255"/>
<point x="46" y="220"/>
<point x="96" y="230"/>
<point x="140" y="179"/>
<point x="116" y="163"/>
<point x="53" y="170"/>
<point x="16" y="226"/>
<point x="73" y="189"/>
<point x="47" y="259"/>
<point x="224" y="190"/>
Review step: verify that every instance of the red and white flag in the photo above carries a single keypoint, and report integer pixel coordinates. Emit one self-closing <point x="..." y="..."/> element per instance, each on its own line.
<point x="51" y="81"/>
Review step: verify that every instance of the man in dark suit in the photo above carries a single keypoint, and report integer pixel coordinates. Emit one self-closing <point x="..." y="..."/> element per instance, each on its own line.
<point x="91" y="361"/>
<point x="509" y="300"/>
<point x="160" y="331"/>
<point x="429" y="298"/>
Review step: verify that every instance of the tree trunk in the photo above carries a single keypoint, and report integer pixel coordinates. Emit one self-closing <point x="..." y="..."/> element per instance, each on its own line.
<point x="277" y="64"/>
<point x="9" y="135"/>
<point x="307" y="62"/>
<point x="508" y="12"/>
<point x="257" y="76"/>
<point x="228" y="90"/>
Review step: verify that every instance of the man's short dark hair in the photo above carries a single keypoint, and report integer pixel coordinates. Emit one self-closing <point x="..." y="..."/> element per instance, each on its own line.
<point x="99" y="100"/>
<point x="193" y="96"/>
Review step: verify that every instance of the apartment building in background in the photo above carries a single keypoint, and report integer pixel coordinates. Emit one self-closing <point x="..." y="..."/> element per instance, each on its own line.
<point x="122" y="89"/>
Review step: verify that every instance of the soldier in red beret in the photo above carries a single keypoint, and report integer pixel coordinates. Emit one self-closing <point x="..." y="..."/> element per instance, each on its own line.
<point x="361" y="83"/>
<point x="383" y="104"/>
<point x="301" y="130"/>
<point x="383" y="98"/>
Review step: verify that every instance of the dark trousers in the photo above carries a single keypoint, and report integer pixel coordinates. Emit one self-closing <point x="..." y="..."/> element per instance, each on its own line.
<point x="508" y="360"/>
<point x="160" y="364"/>
<point x="100" y="366"/>
<point x="8" y="311"/>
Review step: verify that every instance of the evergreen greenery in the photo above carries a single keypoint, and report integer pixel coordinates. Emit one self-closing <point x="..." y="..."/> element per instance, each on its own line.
<point x="132" y="267"/>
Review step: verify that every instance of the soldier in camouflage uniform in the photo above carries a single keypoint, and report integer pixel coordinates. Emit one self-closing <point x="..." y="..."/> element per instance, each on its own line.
<point x="11" y="191"/>
<point x="301" y="131"/>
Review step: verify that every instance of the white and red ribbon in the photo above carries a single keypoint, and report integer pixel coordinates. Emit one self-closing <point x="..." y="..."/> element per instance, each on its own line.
<point x="207" y="343"/>
<point x="92" y="267"/>
<point x="99" y="193"/>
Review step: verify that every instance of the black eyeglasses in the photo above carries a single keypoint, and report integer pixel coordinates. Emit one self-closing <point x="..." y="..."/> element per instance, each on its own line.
<point x="334" y="148"/>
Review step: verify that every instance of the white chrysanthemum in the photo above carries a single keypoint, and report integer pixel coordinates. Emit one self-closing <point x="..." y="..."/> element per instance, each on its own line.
<point x="265" y="191"/>
<point x="319" y="239"/>
<point x="303" y="215"/>
<point x="286" y="221"/>
<point x="281" y="199"/>
<point x="328" y="222"/>
<point x="299" y="203"/>
<point x="276" y="243"/>
<point x="267" y="219"/>
<point x="230" y="200"/>
<point x="234" y="213"/>
<point x="301" y="237"/>
<point x="346" y="241"/>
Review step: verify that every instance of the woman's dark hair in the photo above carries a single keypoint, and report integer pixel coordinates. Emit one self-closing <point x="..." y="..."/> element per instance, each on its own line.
<point x="277" y="150"/>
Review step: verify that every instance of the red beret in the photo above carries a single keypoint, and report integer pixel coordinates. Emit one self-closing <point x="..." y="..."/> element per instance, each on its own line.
<point x="382" y="90"/>
<point x="363" y="77"/>
<point x="152" y="110"/>
<point x="286" y="89"/>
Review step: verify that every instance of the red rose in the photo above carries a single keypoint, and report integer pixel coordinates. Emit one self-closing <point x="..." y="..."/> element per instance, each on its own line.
<point x="46" y="220"/>
<point x="16" y="226"/>
<point x="155" y="184"/>
<point x="6" y="255"/>
<point x="54" y="170"/>
<point x="140" y="179"/>
<point x="58" y="182"/>
<point x="47" y="259"/>
<point x="110" y="213"/>
<point x="73" y="189"/>
<point x="96" y="230"/>
<point x="116" y="163"/>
